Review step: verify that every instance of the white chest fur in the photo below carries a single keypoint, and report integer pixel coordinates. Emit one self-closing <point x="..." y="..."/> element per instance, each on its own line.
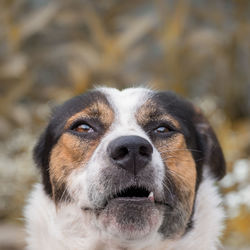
<point x="66" y="228"/>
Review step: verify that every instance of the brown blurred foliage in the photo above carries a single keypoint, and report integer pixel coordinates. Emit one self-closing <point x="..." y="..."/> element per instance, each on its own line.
<point x="51" y="50"/>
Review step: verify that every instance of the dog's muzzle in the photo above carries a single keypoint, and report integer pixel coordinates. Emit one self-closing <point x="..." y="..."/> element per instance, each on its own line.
<point x="129" y="207"/>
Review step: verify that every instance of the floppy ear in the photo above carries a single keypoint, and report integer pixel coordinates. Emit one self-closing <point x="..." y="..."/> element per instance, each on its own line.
<point x="41" y="155"/>
<point x="213" y="157"/>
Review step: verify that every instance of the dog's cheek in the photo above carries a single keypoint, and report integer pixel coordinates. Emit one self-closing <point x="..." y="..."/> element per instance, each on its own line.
<point x="180" y="165"/>
<point x="68" y="155"/>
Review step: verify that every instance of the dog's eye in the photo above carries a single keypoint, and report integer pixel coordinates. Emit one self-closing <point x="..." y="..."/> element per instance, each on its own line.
<point x="161" y="130"/>
<point x="84" y="128"/>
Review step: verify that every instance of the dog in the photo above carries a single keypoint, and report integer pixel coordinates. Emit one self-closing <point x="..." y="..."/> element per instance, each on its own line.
<point x="130" y="170"/>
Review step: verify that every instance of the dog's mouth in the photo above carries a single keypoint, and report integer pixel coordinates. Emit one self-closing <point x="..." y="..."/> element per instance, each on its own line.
<point x="130" y="213"/>
<point x="134" y="193"/>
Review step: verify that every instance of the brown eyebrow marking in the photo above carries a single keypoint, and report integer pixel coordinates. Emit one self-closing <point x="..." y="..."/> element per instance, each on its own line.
<point x="99" y="110"/>
<point x="150" y="111"/>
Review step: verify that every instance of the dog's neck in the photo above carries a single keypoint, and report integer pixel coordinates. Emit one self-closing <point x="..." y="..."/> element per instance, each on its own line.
<point x="53" y="228"/>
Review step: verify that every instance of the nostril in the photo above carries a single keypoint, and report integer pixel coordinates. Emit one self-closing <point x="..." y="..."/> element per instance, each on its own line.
<point x="146" y="150"/>
<point x="120" y="153"/>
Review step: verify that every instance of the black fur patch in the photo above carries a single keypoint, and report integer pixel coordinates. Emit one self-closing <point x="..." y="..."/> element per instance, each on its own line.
<point x="199" y="136"/>
<point x="54" y="130"/>
<point x="200" y="139"/>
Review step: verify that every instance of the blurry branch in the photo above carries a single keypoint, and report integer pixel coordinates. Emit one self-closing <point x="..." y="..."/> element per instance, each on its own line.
<point x="14" y="66"/>
<point x="136" y="30"/>
<point x="124" y="41"/>
<point x="20" y="89"/>
<point x="37" y="20"/>
<point x="17" y="32"/>
<point x="115" y="48"/>
<point x="80" y="76"/>
<point x="97" y="29"/>
<point x="105" y="42"/>
<point x="78" y="50"/>
<point x="171" y="38"/>
<point x="174" y="25"/>
<point x="119" y="8"/>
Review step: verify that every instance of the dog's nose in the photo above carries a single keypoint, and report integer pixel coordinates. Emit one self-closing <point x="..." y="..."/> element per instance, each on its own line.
<point x="132" y="153"/>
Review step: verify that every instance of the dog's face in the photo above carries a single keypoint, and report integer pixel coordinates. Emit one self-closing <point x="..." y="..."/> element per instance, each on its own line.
<point x="132" y="160"/>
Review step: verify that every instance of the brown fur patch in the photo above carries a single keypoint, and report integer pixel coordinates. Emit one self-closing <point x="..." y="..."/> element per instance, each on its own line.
<point x="71" y="152"/>
<point x="98" y="110"/>
<point x="178" y="159"/>
<point x="151" y="112"/>
<point x="180" y="164"/>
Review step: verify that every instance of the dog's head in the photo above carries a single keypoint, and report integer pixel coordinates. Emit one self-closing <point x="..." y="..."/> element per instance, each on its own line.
<point x="131" y="159"/>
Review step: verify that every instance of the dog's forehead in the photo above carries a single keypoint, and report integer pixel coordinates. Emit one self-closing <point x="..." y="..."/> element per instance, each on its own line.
<point x="126" y="103"/>
<point x="139" y="106"/>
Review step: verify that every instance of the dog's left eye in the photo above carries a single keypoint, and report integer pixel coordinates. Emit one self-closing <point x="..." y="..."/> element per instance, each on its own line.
<point x="161" y="130"/>
<point x="84" y="128"/>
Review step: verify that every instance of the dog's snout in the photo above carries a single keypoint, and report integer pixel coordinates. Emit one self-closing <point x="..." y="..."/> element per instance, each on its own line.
<point x="132" y="153"/>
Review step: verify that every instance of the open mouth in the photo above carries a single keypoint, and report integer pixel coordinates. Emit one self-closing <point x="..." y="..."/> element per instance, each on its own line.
<point x="131" y="194"/>
<point x="134" y="193"/>
<point x="131" y="213"/>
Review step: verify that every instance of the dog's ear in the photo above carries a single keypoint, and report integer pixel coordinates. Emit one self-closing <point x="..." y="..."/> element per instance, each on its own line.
<point x="212" y="154"/>
<point x="41" y="156"/>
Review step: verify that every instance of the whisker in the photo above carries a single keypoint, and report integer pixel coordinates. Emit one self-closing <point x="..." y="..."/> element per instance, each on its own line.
<point x="167" y="188"/>
<point x="180" y="176"/>
<point x="180" y="149"/>
<point x="181" y="160"/>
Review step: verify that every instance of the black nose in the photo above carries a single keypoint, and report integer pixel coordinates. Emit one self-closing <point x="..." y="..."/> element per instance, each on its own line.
<point x="132" y="153"/>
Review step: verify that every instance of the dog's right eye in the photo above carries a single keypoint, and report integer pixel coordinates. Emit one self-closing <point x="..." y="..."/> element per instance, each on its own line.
<point x="83" y="128"/>
<point x="161" y="130"/>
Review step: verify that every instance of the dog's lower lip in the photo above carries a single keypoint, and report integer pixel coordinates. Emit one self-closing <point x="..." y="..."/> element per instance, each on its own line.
<point x="128" y="199"/>
<point x="139" y="200"/>
<point x="131" y="199"/>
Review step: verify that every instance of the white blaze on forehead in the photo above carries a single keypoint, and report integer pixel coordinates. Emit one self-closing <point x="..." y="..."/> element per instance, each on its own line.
<point x="125" y="103"/>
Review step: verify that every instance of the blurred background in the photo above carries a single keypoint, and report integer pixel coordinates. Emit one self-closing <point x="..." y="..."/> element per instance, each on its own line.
<point x="51" y="50"/>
